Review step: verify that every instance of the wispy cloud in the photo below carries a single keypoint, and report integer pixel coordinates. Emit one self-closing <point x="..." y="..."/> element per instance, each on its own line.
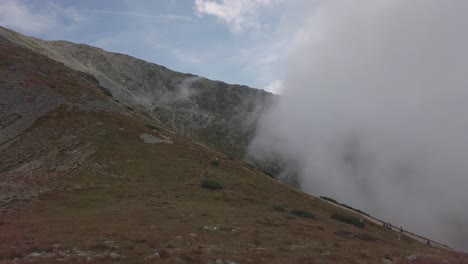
<point x="154" y="41"/>
<point x="137" y="14"/>
<point x="186" y="57"/>
<point x="15" y="14"/>
<point x="275" y="87"/>
<point x="237" y="14"/>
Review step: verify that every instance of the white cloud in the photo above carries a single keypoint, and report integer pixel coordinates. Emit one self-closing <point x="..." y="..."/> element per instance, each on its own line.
<point x="267" y="55"/>
<point x="372" y="111"/>
<point x="237" y="14"/>
<point x="275" y="87"/>
<point x="15" y="14"/>
<point x="138" y="14"/>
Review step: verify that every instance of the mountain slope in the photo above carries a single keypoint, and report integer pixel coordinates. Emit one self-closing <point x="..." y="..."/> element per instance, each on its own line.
<point x="84" y="178"/>
<point x="220" y="115"/>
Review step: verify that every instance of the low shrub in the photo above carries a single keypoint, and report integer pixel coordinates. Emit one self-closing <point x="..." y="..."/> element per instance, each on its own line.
<point x="302" y="213"/>
<point x="328" y="199"/>
<point x="348" y="219"/>
<point x="153" y="127"/>
<point x="211" y="185"/>
<point x="214" y="162"/>
<point x="105" y="91"/>
<point x="344" y="205"/>
<point x="4" y="63"/>
<point x="278" y="208"/>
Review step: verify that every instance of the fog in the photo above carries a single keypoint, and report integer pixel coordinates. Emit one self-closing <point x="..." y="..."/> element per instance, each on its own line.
<point x="374" y="112"/>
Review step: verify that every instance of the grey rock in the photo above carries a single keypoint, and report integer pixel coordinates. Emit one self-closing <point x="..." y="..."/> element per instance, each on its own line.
<point x="82" y="254"/>
<point x="34" y="255"/>
<point x="153" y="256"/>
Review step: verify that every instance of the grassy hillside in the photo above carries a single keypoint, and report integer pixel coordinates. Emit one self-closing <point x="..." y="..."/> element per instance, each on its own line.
<point x="134" y="199"/>
<point x="93" y="181"/>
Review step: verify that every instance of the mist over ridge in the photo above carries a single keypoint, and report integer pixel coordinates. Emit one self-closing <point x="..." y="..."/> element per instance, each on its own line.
<point x="374" y="112"/>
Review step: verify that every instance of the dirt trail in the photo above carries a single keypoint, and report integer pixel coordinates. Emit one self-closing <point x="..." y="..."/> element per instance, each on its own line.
<point x="396" y="229"/>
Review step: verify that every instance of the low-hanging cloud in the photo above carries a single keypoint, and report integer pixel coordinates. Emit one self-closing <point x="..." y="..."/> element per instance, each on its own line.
<point x="374" y="112"/>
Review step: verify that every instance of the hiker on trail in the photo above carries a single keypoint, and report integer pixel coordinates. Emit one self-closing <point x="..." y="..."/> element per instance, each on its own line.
<point x="401" y="229"/>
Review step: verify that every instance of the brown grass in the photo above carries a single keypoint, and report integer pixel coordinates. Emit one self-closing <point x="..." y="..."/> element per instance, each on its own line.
<point x="135" y="199"/>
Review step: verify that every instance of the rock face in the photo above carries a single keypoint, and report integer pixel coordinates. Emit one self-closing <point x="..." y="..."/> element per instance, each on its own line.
<point x="217" y="114"/>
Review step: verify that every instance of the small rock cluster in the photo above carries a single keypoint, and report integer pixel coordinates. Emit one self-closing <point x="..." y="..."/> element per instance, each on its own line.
<point x="66" y="256"/>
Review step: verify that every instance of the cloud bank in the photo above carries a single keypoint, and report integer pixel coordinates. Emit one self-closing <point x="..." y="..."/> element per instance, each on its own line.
<point x="374" y="112"/>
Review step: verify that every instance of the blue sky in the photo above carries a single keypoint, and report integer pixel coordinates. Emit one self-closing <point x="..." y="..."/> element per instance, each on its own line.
<point x="236" y="41"/>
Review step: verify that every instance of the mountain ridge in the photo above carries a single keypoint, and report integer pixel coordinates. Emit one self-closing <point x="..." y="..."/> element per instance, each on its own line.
<point x="87" y="178"/>
<point x="220" y="115"/>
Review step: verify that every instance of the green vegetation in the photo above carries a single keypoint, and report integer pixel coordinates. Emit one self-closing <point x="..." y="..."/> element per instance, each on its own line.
<point x="328" y="199"/>
<point x="278" y="208"/>
<point x="153" y="127"/>
<point x="344" y="205"/>
<point x="348" y="219"/>
<point x="302" y="213"/>
<point x="4" y="63"/>
<point x="4" y="168"/>
<point x="105" y="91"/>
<point x="269" y="174"/>
<point x="211" y="185"/>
